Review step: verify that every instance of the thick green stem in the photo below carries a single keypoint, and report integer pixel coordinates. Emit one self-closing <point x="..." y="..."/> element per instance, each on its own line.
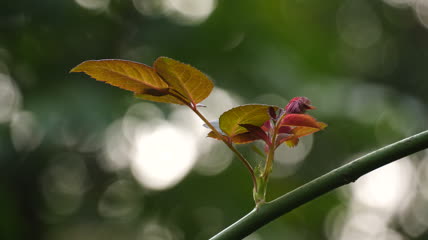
<point x="341" y="176"/>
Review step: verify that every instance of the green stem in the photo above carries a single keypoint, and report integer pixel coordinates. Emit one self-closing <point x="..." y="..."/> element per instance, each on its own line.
<point x="237" y="153"/>
<point x="194" y="108"/>
<point x="259" y="194"/>
<point x="341" y="176"/>
<point x="263" y="178"/>
<point x="270" y="159"/>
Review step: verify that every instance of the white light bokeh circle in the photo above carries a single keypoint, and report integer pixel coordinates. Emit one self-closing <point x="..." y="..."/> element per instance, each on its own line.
<point x="387" y="187"/>
<point x="357" y="24"/>
<point x="421" y="8"/>
<point x="184" y="12"/>
<point x="116" y="148"/>
<point x="140" y="115"/>
<point x="400" y="3"/>
<point x="10" y="98"/>
<point x="64" y="183"/>
<point x="149" y="7"/>
<point x="154" y="230"/>
<point x="93" y="4"/>
<point x="25" y="131"/>
<point x="119" y="201"/>
<point x="288" y="159"/>
<point x="191" y="11"/>
<point x="163" y="156"/>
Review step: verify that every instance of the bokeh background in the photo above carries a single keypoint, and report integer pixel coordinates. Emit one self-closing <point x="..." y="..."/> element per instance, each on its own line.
<point x="80" y="159"/>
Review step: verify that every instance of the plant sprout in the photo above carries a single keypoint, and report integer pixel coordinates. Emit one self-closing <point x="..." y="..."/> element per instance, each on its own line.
<point x="170" y="81"/>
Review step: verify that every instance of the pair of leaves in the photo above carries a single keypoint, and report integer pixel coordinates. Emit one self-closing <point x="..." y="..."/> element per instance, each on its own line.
<point x="301" y="131"/>
<point x="247" y="123"/>
<point x="232" y="122"/>
<point x="168" y="81"/>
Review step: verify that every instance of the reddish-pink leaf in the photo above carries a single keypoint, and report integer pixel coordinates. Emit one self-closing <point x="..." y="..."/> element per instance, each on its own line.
<point x="266" y="126"/>
<point x="212" y="134"/>
<point x="284" y="129"/>
<point x="257" y="131"/>
<point x="238" y="139"/>
<point x="245" y="138"/>
<point x="272" y="112"/>
<point x="304" y="131"/>
<point x="282" y="137"/>
<point x="303" y="120"/>
<point x="297" y="133"/>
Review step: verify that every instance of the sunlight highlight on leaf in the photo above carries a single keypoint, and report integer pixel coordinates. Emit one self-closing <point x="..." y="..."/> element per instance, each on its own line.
<point x="186" y="80"/>
<point x="128" y="75"/>
<point x="132" y="76"/>
<point x="254" y="114"/>
<point x="304" y="131"/>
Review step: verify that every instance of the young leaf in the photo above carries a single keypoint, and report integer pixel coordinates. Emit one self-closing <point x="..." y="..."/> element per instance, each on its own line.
<point x="300" y="120"/>
<point x="245" y="138"/>
<point x="159" y="98"/>
<point x="186" y="80"/>
<point x="282" y="137"/>
<point x="272" y="113"/>
<point x="253" y="114"/>
<point x="216" y="125"/>
<point x="128" y="75"/>
<point x="256" y="131"/>
<point x="292" y="142"/>
<point x="238" y="139"/>
<point x="284" y="129"/>
<point x="304" y="131"/>
<point x="212" y="134"/>
<point x="297" y="132"/>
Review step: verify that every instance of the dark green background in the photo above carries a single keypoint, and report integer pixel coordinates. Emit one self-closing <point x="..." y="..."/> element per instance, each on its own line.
<point x="362" y="63"/>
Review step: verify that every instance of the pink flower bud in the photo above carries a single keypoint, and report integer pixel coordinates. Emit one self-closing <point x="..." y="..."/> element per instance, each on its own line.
<point x="299" y="105"/>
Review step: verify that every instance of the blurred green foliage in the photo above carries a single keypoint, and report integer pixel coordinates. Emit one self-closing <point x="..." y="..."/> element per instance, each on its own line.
<point x="362" y="63"/>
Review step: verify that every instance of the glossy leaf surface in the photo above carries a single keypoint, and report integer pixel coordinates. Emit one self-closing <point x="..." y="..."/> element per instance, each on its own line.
<point x="300" y="131"/>
<point x="254" y="114"/>
<point x="164" y="99"/>
<point x="304" y="131"/>
<point x="184" y="79"/>
<point x="128" y="75"/>
<point x="303" y="120"/>
<point x="256" y="131"/>
<point x="242" y="138"/>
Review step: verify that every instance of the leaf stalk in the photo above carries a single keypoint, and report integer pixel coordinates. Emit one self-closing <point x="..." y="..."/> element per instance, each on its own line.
<point x="231" y="147"/>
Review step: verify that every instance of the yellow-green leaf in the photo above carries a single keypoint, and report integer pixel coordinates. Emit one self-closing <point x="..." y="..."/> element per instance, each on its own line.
<point x="254" y="114"/>
<point x="128" y="75"/>
<point x="187" y="81"/>
<point x="164" y="99"/>
<point x="304" y="131"/>
<point x="132" y="76"/>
